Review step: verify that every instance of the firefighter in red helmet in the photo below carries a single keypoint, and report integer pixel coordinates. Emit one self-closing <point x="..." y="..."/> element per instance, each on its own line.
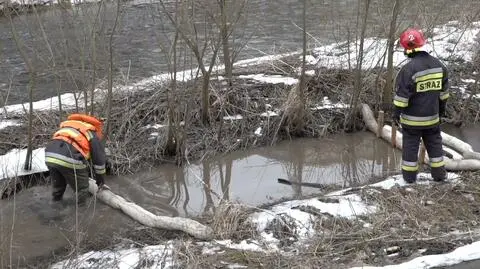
<point x="419" y="102"/>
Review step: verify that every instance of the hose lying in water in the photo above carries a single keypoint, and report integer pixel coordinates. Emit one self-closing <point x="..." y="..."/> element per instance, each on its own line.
<point x="467" y="164"/>
<point x="147" y="218"/>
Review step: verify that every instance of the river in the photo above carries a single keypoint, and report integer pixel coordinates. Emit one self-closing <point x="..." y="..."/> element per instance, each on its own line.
<point x="143" y="31"/>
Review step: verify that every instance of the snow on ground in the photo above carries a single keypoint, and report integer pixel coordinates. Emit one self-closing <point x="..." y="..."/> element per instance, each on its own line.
<point x="47" y="2"/>
<point x="7" y="123"/>
<point x="12" y="163"/>
<point x="465" y="253"/>
<point x="67" y="99"/>
<point x="159" y="256"/>
<point x="397" y="181"/>
<point x="342" y="206"/>
<point x="327" y="104"/>
<point x="234" y="117"/>
<point x="271" y="79"/>
<point x="449" y="41"/>
<point x="346" y="206"/>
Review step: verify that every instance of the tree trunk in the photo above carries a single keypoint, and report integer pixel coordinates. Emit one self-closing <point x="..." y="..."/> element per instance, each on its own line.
<point x="225" y="44"/>
<point x="107" y="130"/>
<point x="387" y="91"/>
<point x="349" y="120"/>
<point x="31" y="85"/>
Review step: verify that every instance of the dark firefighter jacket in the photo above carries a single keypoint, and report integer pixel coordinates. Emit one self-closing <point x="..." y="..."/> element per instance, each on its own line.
<point x="421" y="91"/>
<point x="59" y="152"/>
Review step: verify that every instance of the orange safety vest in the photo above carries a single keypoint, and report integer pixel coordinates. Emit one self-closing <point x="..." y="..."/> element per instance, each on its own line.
<point x="89" y="119"/>
<point x="78" y="138"/>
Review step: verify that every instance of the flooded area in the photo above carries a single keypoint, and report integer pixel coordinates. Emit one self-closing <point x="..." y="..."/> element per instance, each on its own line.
<point x="249" y="177"/>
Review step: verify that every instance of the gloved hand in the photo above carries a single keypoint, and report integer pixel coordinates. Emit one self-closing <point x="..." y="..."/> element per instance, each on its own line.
<point x="441" y="109"/>
<point x="99" y="180"/>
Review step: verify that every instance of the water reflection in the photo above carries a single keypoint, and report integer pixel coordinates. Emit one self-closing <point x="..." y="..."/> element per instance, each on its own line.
<point x="251" y="176"/>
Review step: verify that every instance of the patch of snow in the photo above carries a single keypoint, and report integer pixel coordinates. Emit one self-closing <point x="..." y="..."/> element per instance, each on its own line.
<point x="68" y="102"/>
<point x="210" y="250"/>
<point x="398" y="181"/>
<point x="271" y="79"/>
<point x="155" y="126"/>
<point x="155" y="134"/>
<point x="337" y="55"/>
<point x="258" y="131"/>
<point x="264" y="59"/>
<point x="348" y="206"/>
<point x="462" y="254"/>
<point x="309" y="59"/>
<point x="7" y="123"/>
<point x="217" y="246"/>
<point x="468" y="80"/>
<point x="236" y="265"/>
<point x="269" y="114"/>
<point x="339" y="105"/>
<point x="158" y="256"/>
<point x="251" y="245"/>
<point x="235" y="117"/>
<point x="310" y="73"/>
<point x="13" y="161"/>
<point x="47" y="2"/>
<point x="449" y="41"/>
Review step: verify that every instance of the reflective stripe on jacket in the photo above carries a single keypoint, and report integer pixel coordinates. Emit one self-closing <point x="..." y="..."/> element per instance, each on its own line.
<point x="421" y="87"/>
<point x="76" y="146"/>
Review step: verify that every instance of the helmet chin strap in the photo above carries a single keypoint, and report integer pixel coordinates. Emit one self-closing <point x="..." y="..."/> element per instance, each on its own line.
<point x="409" y="52"/>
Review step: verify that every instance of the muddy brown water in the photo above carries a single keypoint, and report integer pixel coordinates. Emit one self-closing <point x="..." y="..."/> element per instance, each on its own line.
<point x="32" y="227"/>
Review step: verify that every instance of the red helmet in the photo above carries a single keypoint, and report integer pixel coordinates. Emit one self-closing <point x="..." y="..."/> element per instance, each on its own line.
<point x="412" y="39"/>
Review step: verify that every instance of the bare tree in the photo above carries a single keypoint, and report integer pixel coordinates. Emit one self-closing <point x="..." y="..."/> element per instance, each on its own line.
<point x="387" y="91"/>
<point x="32" y="72"/>
<point x="350" y="118"/>
<point x="110" y="73"/>
<point x="189" y="32"/>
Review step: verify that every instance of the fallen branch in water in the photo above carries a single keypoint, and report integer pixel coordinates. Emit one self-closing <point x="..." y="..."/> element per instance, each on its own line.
<point x="149" y="219"/>
<point x="306" y="184"/>
<point x="386" y="134"/>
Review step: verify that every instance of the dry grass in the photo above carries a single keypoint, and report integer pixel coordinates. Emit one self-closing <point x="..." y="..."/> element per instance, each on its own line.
<point x="436" y="218"/>
<point x="133" y="147"/>
<point x="229" y="221"/>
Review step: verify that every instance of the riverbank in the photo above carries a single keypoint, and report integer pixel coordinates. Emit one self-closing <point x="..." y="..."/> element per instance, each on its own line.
<point x="388" y="222"/>
<point x="332" y="228"/>
<point x="251" y="112"/>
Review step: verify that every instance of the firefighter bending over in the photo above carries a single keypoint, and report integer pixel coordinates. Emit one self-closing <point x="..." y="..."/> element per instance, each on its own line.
<point x="419" y="102"/>
<point x="75" y="149"/>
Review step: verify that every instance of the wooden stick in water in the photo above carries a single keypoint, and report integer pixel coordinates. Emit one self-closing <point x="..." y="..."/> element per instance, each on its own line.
<point x="381" y="118"/>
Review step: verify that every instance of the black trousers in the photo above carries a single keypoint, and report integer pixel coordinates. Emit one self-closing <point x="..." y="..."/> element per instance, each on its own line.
<point x="77" y="179"/>
<point x="433" y="143"/>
